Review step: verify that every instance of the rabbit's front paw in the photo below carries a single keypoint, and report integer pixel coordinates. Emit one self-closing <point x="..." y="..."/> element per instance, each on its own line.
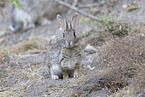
<point x="54" y="77"/>
<point x="76" y="74"/>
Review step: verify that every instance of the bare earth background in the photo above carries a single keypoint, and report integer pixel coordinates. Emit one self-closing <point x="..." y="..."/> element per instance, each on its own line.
<point x="22" y="55"/>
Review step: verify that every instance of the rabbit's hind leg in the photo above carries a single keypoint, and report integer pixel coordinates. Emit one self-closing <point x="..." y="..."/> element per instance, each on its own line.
<point x="55" y="71"/>
<point x="65" y="73"/>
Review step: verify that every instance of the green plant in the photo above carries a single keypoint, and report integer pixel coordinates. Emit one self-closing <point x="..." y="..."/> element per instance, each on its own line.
<point x="105" y="20"/>
<point x="88" y="34"/>
<point x="82" y="19"/>
<point x="117" y="28"/>
<point x="98" y="25"/>
<point x="15" y="2"/>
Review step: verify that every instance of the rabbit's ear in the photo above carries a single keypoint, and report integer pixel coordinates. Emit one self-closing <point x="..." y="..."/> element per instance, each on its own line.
<point x="75" y="21"/>
<point x="62" y="22"/>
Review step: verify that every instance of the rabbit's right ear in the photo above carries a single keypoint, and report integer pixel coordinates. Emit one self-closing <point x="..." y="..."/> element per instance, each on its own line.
<point x="62" y="22"/>
<point x="75" y="21"/>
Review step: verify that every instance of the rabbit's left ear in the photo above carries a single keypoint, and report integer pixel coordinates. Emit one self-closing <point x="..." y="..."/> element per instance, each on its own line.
<point x="62" y="22"/>
<point x="75" y="21"/>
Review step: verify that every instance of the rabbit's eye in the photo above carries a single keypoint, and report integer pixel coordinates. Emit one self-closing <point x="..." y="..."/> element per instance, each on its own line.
<point x="74" y="34"/>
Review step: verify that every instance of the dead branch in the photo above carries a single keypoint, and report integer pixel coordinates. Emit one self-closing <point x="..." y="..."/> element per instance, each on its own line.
<point x="88" y="5"/>
<point x="78" y="10"/>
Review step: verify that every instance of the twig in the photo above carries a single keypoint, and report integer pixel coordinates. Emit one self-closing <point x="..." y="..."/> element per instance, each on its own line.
<point x="78" y="10"/>
<point x="88" y="5"/>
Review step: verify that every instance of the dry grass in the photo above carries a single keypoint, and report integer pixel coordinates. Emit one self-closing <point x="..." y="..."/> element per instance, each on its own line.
<point x="26" y="78"/>
<point x="116" y="28"/>
<point x="125" y="59"/>
<point x="33" y="43"/>
<point x="3" y="55"/>
<point x="128" y="91"/>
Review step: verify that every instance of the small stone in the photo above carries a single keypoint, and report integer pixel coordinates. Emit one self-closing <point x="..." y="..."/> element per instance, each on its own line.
<point x="124" y="6"/>
<point x="91" y="68"/>
<point x="103" y="2"/>
<point x="90" y="49"/>
<point x="53" y="37"/>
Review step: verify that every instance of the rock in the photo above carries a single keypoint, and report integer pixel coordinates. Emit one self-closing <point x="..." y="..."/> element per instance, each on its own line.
<point x="90" y="49"/>
<point x="99" y="93"/>
<point x="91" y="68"/>
<point x="124" y="6"/>
<point x="2" y="33"/>
<point x="51" y="40"/>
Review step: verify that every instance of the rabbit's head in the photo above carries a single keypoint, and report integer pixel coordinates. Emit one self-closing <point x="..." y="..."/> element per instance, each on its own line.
<point x="69" y="34"/>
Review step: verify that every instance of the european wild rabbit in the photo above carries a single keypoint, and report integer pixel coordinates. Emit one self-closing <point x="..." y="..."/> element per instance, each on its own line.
<point x="34" y="12"/>
<point x="25" y="18"/>
<point x="64" y="58"/>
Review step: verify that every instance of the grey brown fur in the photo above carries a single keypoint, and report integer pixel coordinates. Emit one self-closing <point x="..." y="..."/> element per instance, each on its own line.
<point x="64" y="58"/>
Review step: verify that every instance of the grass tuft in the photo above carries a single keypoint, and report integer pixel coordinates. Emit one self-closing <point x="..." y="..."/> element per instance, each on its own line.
<point x="33" y="43"/>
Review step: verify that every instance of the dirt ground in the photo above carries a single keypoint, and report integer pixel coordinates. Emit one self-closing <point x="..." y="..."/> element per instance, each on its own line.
<point x="22" y="55"/>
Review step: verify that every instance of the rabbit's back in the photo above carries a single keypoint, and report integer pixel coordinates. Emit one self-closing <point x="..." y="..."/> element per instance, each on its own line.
<point x="53" y="55"/>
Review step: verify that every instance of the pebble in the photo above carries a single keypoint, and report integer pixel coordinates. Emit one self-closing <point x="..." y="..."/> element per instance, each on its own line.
<point x="90" y="49"/>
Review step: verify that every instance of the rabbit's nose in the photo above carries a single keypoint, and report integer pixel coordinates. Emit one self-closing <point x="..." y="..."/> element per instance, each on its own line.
<point x="69" y="44"/>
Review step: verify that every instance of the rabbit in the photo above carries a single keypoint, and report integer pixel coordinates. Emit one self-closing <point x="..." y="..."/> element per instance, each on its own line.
<point x="28" y="16"/>
<point x="64" y="57"/>
<point x="34" y="12"/>
<point x="20" y="22"/>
